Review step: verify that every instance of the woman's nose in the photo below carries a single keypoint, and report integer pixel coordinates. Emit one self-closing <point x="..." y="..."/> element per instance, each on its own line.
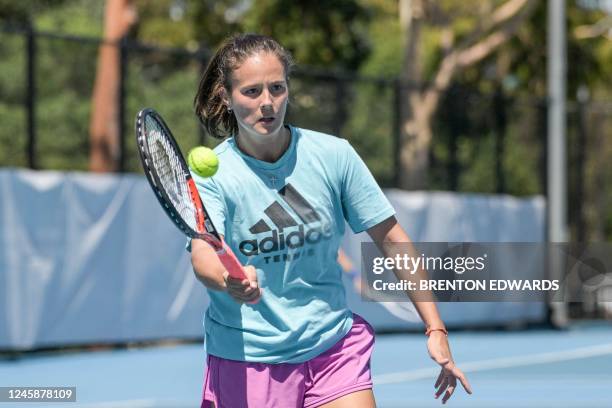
<point x="266" y="99"/>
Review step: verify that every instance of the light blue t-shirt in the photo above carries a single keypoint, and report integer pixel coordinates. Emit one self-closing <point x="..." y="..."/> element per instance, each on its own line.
<point x="287" y="219"/>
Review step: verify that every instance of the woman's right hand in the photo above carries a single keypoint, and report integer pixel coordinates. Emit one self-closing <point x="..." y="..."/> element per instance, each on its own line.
<point x="243" y="290"/>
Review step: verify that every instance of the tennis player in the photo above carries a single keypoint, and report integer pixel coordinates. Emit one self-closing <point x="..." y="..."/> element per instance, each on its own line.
<point x="285" y="337"/>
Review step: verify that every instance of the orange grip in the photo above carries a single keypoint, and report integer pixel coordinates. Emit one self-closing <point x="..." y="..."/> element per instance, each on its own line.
<point x="230" y="262"/>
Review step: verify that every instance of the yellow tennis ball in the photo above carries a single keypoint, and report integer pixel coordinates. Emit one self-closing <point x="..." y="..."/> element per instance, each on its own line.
<point x="203" y="161"/>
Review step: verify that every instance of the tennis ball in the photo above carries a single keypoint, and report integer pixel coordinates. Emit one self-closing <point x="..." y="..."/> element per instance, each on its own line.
<point x="203" y="161"/>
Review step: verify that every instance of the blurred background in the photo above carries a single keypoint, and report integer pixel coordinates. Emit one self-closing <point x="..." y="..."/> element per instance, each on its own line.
<point x="448" y="102"/>
<point x="446" y="95"/>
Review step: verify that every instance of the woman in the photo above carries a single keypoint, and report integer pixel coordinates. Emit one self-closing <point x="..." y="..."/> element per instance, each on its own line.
<point x="284" y="337"/>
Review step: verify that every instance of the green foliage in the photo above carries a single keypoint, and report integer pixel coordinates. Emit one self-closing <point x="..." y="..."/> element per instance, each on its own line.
<point x="12" y="66"/>
<point x="370" y="127"/>
<point x="330" y="33"/>
<point x="84" y="17"/>
<point x="159" y="24"/>
<point x="524" y="147"/>
<point x="171" y="93"/>
<point x="21" y="12"/>
<point x="12" y="97"/>
<point x="64" y="102"/>
<point x="13" y="136"/>
<point x="211" y="22"/>
<point x="385" y="39"/>
<point x="361" y="36"/>
<point x="62" y="139"/>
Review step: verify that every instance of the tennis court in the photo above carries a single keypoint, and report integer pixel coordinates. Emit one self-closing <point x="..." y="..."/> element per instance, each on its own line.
<point x="472" y="119"/>
<point x="532" y="368"/>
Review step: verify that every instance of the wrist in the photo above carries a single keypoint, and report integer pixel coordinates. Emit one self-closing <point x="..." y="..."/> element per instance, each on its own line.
<point x="436" y="329"/>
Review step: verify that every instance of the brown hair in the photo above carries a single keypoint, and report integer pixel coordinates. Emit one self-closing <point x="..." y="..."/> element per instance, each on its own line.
<point x="209" y="105"/>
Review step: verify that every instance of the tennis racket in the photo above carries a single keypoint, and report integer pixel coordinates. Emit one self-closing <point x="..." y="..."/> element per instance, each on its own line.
<point x="169" y="177"/>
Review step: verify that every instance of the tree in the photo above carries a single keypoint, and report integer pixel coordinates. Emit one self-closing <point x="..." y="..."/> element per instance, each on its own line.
<point x="21" y="12"/>
<point x="455" y="49"/>
<point x="332" y="34"/>
<point x="119" y="17"/>
<point x="329" y="34"/>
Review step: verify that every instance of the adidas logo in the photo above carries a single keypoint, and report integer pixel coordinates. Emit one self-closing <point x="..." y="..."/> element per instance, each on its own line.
<point x="280" y="240"/>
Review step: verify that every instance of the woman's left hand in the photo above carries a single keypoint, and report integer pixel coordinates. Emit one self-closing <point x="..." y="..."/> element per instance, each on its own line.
<point x="439" y="351"/>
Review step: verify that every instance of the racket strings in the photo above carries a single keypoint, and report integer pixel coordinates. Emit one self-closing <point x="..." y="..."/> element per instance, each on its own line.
<point x="170" y="172"/>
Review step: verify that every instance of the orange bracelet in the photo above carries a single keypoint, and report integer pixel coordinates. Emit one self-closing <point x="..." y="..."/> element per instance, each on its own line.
<point x="428" y="331"/>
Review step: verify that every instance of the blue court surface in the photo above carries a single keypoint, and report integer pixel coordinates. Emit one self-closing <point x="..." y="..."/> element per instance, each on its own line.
<point x="534" y="368"/>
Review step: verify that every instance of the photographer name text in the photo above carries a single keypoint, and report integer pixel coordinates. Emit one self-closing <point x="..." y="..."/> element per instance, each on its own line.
<point x="467" y="285"/>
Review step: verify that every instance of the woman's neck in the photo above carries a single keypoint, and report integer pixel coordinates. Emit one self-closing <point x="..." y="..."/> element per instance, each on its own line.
<point x="267" y="148"/>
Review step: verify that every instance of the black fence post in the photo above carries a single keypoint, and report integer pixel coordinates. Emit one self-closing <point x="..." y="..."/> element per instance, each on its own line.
<point x="121" y="117"/>
<point x="500" y="134"/>
<point x="340" y="118"/>
<point x="581" y="106"/>
<point x="542" y="132"/>
<point x="456" y="127"/>
<point x="31" y="96"/>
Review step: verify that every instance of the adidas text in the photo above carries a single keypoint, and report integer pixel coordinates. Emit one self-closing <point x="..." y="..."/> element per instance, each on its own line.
<point x="279" y="241"/>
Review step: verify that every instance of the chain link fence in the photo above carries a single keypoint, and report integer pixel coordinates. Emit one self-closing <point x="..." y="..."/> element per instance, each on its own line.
<point x="482" y="142"/>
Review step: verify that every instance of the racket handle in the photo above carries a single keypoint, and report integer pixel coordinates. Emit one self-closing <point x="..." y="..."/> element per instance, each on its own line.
<point x="230" y="262"/>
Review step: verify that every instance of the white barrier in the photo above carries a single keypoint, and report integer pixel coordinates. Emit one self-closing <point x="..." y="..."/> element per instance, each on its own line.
<point x="88" y="258"/>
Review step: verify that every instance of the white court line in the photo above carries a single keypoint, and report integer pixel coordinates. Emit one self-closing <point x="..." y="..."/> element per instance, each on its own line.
<point x="140" y="403"/>
<point x="120" y="404"/>
<point x="497" y="363"/>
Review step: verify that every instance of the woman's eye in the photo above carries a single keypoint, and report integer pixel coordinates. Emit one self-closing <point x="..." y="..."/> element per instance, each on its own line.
<point x="251" y="91"/>
<point x="278" y="88"/>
